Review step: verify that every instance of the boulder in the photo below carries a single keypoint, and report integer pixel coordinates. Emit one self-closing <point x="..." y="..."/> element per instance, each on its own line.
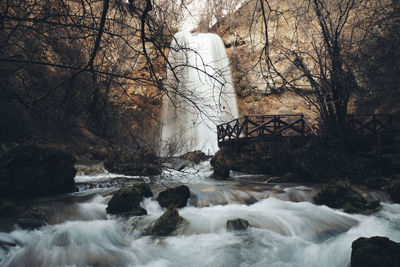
<point x="36" y="170"/>
<point x="174" y="197"/>
<point x="341" y="195"/>
<point x="195" y="156"/>
<point x="376" y="251"/>
<point x="237" y="225"/>
<point x="166" y="224"/>
<point x="127" y="200"/>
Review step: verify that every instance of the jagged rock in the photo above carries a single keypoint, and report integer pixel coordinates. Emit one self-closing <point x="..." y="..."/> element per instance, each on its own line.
<point x="166" y="224"/>
<point x="127" y="200"/>
<point x="36" y="170"/>
<point x="341" y="195"/>
<point x="136" y="165"/>
<point x="376" y="251"/>
<point x="237" y="225"/>
<point x="195" y="156"/>
<point x="174" y="197"/>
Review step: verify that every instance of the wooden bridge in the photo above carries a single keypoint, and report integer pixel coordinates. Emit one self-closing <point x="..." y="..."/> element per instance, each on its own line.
<point x="373" y="124"/>
<point x="261" y="126"/>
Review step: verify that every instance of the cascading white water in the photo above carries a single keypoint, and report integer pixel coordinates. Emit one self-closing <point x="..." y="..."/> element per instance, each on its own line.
<point x="288" y="229"/>
<point x="283" y="233"/>
<point x="199" y="95"/>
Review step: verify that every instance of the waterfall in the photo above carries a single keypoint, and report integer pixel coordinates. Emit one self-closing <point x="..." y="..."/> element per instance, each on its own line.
<point x="199" y="93"/>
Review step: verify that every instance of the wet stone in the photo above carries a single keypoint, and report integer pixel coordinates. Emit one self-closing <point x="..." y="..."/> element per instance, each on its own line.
<point x="166" y="224"/>
<point x="128" y="199"/>
<point x="237" y="225"/>
<point x="174" y="197"/>
<point x="376" y="251"/>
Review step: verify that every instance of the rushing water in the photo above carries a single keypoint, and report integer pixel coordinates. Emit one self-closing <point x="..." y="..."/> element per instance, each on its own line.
<point x="199" y="95"/>
<point x="287" y="228"/>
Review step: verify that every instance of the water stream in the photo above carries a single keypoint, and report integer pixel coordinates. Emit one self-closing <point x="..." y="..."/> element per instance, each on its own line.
<point x="287" y="228"/>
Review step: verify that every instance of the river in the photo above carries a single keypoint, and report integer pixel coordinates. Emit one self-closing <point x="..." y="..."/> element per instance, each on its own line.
<point x="288" y="229"/>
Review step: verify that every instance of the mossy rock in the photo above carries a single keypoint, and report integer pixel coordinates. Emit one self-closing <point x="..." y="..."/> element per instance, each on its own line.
<point x="341" y="195"/>
<point x="127" y="200"/>
<point x="166" y="224"/>
<point x="137" y="211"/>
<point x="376" y="251"/>
<point x="174" y="197"/>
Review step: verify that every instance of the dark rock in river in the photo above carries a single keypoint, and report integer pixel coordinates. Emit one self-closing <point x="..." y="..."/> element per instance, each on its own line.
<point x="237" y="225"/>
<point x="341" y="195"/>
<point x="220" y="166"/>
<point x="376" y="251"/>
<point x="141" y="164"/>
<point x="35" y="170"/>
<point x="25" y="216"/>
<point x="127" y="200"/>
<point x="195" y="156"/>
<point x="174" y="197"/>
<point x="166" y="224"/>
<point x="32" y="218"/>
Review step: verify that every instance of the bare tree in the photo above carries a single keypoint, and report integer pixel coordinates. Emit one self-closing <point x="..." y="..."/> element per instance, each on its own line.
<point x="91" y="69"/>
<point x="311" y="48"/>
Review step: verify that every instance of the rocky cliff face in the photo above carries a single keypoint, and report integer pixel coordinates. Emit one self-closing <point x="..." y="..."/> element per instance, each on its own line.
<point x="292" y="28"/>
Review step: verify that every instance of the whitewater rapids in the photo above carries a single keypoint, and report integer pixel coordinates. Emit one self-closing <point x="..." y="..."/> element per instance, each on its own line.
<point x="287" y="230"/>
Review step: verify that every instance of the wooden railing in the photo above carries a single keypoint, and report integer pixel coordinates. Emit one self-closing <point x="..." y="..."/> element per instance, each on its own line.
<point x="264" y="125"/>
<point x="259" y="126"/>
<point x="373" y="124"/>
